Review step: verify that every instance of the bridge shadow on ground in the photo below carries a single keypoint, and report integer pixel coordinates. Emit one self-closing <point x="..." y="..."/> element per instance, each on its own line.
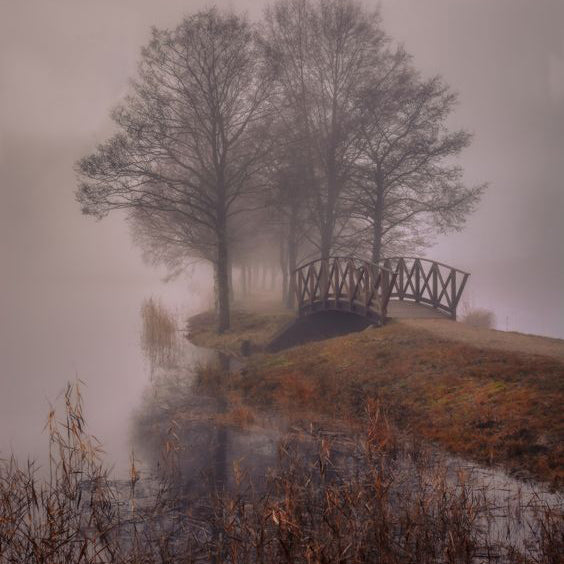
<point x="317" y="327"/>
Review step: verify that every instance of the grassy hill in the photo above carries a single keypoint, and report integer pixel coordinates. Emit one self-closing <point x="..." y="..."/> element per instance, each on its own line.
<point x="487" y="395"/>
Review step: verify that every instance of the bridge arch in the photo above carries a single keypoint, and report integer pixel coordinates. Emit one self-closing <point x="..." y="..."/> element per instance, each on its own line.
<point x="355" y="285"/>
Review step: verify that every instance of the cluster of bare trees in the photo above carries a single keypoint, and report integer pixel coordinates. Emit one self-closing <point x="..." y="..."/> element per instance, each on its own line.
<point x="307" y="134"/>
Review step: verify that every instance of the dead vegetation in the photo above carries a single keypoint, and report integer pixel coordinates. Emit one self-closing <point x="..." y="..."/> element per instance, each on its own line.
<point x="496" y="407"/>
<point x="159" y="339"/>
<point x="479" y="317"/>
<point x="327" y="499"/>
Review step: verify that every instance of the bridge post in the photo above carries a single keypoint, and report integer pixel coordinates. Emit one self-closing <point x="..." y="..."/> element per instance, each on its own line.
<point x="324" y="281"/>
<point x="385" y="289"/>
<point x="299" y="288"/>
<point x="337" y="275"/>
<point x="456" y="299"/>
<point x="401" y="267"/>
<point x="435" y="268"/>
<point x="417" y="271"/>
<point x="453" y="293"/>
<point x="352" y="285"/>
<point x="365" y="274"/>
<point x="311" y="276"/>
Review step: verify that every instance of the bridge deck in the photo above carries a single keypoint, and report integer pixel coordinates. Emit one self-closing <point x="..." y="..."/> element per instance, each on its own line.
<point x="412" y="310"/>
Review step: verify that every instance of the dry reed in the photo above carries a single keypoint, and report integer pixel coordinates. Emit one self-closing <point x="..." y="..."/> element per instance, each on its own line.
<point x="327" y="499"/>
<point x="159" y="334"/>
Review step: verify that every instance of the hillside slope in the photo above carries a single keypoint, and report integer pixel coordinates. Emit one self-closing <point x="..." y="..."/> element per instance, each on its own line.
<point x="490" y="338"/>
<point x="491" y="396"/>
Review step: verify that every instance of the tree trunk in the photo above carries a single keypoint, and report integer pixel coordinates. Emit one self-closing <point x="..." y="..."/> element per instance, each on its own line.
<point x="230" y="279"/>
<point x="215" y="288"/>
<point x="223" y="312"/>
<point x="284" y="269"/>
<point x="326" y="242"/>
<point x="377" y="236"/>
<point x="333" y="184"/>
<point x="244" y="279"/>
<point x="328" y="223"/>
<point x="378" y="219"/>
<point x="256" y="273"/>
<point x="292" y="260"/>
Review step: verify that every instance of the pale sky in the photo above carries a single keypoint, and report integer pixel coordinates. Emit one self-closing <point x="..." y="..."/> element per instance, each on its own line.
<point x="65" y="63"/>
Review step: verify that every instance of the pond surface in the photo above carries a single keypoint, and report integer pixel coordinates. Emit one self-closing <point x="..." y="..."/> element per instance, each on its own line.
<point x="91" y="332"/>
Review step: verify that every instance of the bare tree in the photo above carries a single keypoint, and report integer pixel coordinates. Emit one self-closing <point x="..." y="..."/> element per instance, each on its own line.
<point x="321" y="51"/>
<point x="290" y="199"/>
<point x="185" y="153"/>
<point x="405" y="180"/>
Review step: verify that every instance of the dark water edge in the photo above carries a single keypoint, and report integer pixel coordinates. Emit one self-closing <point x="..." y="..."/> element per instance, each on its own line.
<point x="208" y="455"/>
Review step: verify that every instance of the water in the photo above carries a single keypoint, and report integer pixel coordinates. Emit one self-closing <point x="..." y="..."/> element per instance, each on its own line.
<point x="211" y="449"/>
<point x="130" y="403"/>
<point x="52" y="335"/>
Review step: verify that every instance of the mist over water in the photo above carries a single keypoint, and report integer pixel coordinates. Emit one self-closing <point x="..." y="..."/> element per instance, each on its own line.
<point x="89" y="332"/>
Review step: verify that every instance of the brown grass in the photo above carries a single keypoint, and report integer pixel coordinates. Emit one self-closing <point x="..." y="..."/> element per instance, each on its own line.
<point x="313" y="509"/>
<point x="479" y="318"/>
<point x="492" y="406"/>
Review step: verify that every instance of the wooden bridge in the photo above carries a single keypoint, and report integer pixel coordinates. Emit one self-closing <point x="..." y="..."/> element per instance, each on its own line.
<point x="397" y="286"/>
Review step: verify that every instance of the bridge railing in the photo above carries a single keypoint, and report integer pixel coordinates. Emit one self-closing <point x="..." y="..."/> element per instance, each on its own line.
<point x="345" y="284"/>
<point x="427" y="281"/>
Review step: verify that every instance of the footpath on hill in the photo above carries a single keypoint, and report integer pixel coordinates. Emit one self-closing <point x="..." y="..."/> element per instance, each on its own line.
<point x="487" y="395"/>
<point x="490" y="338"/>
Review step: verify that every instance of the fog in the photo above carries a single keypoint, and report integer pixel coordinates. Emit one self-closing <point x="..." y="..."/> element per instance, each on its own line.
<point x="71" y="288"/>
<point x="506" y="60"/>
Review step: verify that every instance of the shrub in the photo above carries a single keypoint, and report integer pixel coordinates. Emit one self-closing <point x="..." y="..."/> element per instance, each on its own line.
<point x="479" y="318"/>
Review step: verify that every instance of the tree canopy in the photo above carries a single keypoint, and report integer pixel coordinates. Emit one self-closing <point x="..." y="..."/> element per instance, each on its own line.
<point x="187" y="155"/>
<point x="303" y="134"/>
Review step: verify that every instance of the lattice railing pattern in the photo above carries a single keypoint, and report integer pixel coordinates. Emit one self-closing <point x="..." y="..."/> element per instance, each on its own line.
<point x="344" y="283"/>
<point x="359" y="286"/>
<point x="427" y="282"/>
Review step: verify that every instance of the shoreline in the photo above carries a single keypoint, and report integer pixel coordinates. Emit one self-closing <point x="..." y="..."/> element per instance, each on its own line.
<point x="495" y="407"/>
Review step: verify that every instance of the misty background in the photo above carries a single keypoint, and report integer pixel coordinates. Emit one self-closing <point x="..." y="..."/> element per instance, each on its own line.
<point x="71" y="287"/>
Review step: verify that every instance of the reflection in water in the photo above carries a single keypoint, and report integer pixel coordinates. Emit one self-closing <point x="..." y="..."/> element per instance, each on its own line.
<point x="181" y="425"/>
<point x="159" y="335"/>
<point x="76" y="329"/>
<point x="217" y="483"/>
<point x="188" y="427"/>
<point x="184" y="426"/>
